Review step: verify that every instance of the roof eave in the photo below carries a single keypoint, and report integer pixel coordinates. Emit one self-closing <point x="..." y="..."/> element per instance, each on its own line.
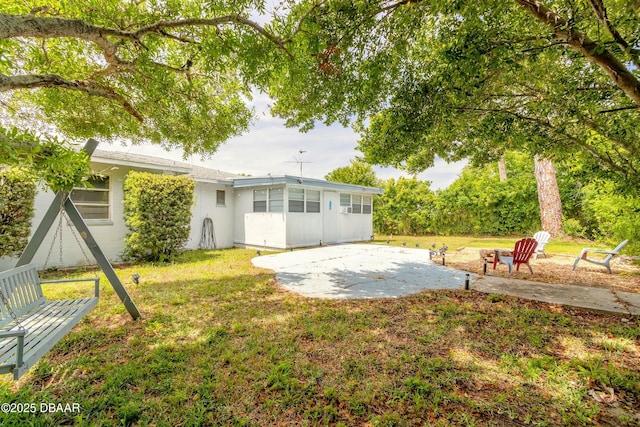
<point x="295" y="180"/>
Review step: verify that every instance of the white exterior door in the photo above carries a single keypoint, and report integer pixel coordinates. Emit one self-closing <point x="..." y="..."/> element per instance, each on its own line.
<point x="330" y="210"/>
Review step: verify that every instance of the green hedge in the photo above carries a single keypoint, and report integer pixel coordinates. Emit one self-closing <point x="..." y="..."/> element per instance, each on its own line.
<point x="157" y="211"/>
<point x="17" y="194"/>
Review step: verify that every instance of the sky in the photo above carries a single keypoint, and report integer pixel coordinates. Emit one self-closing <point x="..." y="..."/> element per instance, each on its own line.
<point x="270" y="147"/>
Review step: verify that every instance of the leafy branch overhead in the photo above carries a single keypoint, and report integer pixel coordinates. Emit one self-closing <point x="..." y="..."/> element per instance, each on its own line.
<point x="174" y="73"/>
<point x="421" y="78"/>
<point x="473" y="79"/>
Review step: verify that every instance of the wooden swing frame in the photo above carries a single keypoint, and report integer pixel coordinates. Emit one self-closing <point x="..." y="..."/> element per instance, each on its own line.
<point x="41" y="324"/>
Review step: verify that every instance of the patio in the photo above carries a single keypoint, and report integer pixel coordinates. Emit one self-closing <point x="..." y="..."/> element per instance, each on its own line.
<point x="359" y="271"/>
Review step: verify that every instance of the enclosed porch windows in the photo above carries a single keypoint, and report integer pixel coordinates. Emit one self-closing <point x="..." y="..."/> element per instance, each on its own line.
<point x="301" y="200"/>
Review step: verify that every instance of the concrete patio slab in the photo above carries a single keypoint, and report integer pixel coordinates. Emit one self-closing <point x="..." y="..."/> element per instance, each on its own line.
<point x="599" y="299"/>
<point x="379" y="271"/>
<point x="359" y="271"/>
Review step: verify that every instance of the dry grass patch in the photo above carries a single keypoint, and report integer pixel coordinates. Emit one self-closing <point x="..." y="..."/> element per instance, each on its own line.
<point x="555" y="268"/>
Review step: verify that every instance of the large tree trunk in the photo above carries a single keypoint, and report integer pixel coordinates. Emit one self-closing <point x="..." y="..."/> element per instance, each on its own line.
<point x="502" y="169"/>
<point x="548" y="196"/>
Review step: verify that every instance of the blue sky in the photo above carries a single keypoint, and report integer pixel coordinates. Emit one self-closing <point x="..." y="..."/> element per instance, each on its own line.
<point x="270" y="147"/>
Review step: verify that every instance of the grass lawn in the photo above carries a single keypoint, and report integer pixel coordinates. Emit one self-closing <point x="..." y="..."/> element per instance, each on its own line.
<point x="221" y="344"/>
<point x="557" y="246"/>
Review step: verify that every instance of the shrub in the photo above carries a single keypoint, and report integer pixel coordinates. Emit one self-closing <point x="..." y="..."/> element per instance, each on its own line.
<point x="573" y="227"/>
<point x="478" y="203"/>
<point x="614" y="216"/>
<point x="157" y="211"/>
<point x="17" y="193"/>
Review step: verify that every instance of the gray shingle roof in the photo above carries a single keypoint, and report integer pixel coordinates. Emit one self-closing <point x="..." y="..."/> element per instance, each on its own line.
<point x="198" y="173"/>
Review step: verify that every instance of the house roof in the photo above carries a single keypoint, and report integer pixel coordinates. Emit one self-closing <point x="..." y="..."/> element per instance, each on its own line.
<point x="137" y="160"/>
<point x="198" y="173"/>
<point x="203" y="174"/>
<point x="244" y="182"/>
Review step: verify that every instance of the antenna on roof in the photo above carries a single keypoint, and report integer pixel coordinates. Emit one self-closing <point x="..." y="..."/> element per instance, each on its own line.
<point x="298" y="160"/>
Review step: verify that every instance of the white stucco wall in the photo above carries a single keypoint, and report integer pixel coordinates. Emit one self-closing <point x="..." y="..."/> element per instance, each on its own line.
<point x="110" y="234"/>
<point x="257" y="229"/>
<point x="205" y="205"/>
<point x="354" y="227"/>
<point x="235" y="223"/>
<point x="296" y="229"/>
<point x="304" y="229"/>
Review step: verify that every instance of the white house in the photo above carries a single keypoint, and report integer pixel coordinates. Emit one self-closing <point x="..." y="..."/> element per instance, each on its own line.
<point x="276" y="212"/>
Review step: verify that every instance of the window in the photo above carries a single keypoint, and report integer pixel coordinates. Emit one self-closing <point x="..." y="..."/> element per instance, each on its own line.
<point x="357" y="204"/>
<point x="366" y="205"/>
<point x="276" y="199"/>
<point x="220" y="197"/>
<point x="296" y="200"/>
<point x="300" y="198"/>
<point x="93" y="202"/>
<point x="345" y="199"/>
<point x="313" y="201"/>
<point x="275" y="196"/>
<point x="259" y="200"/>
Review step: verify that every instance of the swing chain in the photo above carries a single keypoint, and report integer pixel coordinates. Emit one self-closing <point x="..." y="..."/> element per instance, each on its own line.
<point x="74" y="233"/>
<point x="58" y="235"/>
<point x="11" y="312"/>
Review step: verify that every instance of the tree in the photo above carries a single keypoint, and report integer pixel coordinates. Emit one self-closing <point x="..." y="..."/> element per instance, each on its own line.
<point x="358" y="172"/>
<point x="548" y="195"/>
<point x="473" y="80"/>
<point x="175" y="73"/>
<point x="478" y="202"/>
<point x="405" y="207"/>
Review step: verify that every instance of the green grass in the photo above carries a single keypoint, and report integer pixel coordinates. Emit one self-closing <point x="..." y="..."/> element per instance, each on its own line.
<point x="555" y="246"/>
<point x="221" y="344"/>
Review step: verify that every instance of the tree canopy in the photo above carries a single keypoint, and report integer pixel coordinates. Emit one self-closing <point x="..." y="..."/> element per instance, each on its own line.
<point x="420" y="78"/>
<point x="471" y="79"/>
<point x="178" y="73"/>
<point x="357" y="172"/>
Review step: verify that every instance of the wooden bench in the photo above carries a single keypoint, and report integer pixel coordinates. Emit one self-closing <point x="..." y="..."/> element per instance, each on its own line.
<point x="44" y="322"/>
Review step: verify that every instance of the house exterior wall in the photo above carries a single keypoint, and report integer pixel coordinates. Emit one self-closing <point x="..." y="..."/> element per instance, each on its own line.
<point x="282" y="230"/>
<point x="257" y="229"/>
<point x="235" y="222"/>
<point x="205" y="205"/>
<point x="304" y="228"/>
<point x="109" y="234"/>
<point x="354" y="227"/>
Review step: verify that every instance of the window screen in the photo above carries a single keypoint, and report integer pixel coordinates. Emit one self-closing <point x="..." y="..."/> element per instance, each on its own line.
<point x="296" y="200"/>
<point x="276" y="199"/>
<point x="93" y="202"/>
<point x="259" y="200"/>
<point x="313" y="201"/>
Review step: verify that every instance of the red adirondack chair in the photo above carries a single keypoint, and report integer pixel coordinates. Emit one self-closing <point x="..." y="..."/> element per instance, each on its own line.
<point x="521" y="254"/>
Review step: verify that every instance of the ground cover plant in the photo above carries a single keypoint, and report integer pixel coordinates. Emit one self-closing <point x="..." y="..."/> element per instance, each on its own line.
<point x="221" y="344"/>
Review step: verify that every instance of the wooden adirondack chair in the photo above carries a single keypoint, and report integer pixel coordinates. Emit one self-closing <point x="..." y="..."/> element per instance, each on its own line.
<point x="605" y="261"/>
<point x="542" y="237"/>
<point x="521" y="254"/>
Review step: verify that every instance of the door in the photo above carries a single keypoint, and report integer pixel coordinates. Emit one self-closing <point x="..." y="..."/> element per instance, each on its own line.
<point x="330" y="209"/>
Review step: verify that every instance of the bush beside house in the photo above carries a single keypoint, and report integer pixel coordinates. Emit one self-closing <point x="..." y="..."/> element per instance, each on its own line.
<point x="157" y="211"/>
<point x="17" y="194"/>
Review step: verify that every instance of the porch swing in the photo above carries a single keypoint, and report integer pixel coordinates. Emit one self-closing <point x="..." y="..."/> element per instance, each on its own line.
<point x="29" y="324"/>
